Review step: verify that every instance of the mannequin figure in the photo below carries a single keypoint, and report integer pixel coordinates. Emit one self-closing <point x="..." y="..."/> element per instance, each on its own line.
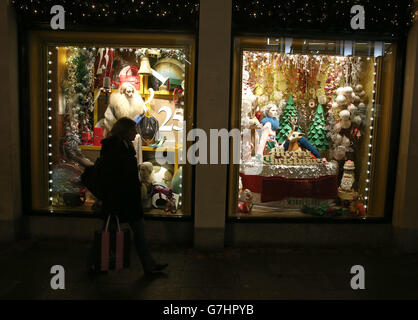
<point x="270" y="124"/>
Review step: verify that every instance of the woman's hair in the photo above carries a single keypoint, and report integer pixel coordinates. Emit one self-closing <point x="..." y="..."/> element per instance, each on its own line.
<point x="267" y="108"/>
<point x="122" y="127"/>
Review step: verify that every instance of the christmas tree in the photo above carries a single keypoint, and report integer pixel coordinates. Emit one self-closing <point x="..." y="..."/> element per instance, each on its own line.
<point x="317" y="134"/>
<point x="288" y="114"/>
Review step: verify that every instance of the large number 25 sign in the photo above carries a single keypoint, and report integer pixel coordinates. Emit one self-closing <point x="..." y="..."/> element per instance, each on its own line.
<point x="169" y="114"/>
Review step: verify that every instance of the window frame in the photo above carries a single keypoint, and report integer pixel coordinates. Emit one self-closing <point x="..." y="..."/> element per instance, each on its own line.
<point x="383" y="173"/>
<point x="34" y="105"/>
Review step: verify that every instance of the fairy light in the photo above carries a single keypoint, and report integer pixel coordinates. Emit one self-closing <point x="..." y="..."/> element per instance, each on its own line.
<point x="370" y="145"/>
<point x="180" y="185"/>
<point x="49" y="103"/>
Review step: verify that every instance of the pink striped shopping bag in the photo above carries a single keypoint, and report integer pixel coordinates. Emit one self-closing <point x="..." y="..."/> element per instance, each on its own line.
<point x="112" y="247"/>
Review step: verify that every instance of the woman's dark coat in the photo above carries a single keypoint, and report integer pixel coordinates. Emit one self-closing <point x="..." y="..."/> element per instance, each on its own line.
<point x="122" y="188"/>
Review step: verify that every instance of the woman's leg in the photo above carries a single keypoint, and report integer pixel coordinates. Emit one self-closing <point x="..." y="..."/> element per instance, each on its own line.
<point x="147" y="260"/>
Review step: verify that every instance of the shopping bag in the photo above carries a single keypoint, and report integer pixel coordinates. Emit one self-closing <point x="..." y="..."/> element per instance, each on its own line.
<point x="130" y="74"/>
<point x="97" y="136"/>
<point x="148" y="129"/>
<point x="112" y="248"/>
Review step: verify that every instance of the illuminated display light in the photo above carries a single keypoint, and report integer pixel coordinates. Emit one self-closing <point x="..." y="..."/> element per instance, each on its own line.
<point x="50" y="62"/>
<point x="372" y="117"/>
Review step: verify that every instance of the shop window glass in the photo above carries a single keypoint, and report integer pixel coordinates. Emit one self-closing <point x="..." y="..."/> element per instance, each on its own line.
<point x="313" y="117"/>
<point x="88" y="89"/>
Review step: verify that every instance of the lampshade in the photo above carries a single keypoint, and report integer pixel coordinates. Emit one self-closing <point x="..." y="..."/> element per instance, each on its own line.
<point x="145" y="67"/>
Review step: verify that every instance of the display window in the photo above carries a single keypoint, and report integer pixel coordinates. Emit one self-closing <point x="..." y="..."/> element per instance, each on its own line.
<point x="315" y="127"/>
<point x="81" y="84"/>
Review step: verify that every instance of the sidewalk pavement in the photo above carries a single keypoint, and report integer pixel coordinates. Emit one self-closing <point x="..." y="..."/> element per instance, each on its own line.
<point x="231" y="273"/>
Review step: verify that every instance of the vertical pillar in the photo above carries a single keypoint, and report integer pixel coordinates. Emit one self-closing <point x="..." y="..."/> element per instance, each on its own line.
<point x="213" y="81"/>
<point x="10" y="192"/>
<point x="405" y="211"/>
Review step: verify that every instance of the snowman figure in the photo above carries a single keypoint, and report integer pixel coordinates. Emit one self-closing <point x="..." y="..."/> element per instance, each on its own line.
<point x="347" y="180"/>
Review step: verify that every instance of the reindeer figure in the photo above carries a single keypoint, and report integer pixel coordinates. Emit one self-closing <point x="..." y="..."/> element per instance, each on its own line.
<point x="293" y="138"/>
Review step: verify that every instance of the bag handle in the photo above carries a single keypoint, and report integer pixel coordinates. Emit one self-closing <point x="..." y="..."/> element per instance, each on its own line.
<point x="108" y="220"/>
<point x="128" y="68"/>
<point x="145" y="140"/>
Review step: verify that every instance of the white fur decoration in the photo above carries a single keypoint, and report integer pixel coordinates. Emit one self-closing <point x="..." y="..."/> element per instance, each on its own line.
<point x="127" y="102"/>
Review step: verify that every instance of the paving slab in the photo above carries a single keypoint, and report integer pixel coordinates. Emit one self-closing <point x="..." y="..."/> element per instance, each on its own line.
<point x="232" y="273"/>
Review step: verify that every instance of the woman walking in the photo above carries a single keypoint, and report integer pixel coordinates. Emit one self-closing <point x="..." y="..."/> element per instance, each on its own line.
<point x="122" y="188"/>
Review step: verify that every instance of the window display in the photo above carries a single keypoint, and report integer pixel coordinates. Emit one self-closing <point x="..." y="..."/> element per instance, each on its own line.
<point x="308" y="117"/>
<point x="89" y="89"/>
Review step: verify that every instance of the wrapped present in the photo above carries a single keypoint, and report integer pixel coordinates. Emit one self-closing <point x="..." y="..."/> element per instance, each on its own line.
<point x="86" y="138"/>
<point x="97" y="136"/>
<point x="173" y="84"/>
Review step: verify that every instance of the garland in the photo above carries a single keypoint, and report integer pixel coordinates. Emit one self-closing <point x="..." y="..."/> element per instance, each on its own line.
<point x="177" y="54"/>
<point x="78" y="96"/>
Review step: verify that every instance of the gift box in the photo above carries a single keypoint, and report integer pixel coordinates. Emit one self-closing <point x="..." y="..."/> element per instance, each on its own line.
<point x="173" y="84"/>
<point x="86" y="138"/>
<point x="97" y="136"/>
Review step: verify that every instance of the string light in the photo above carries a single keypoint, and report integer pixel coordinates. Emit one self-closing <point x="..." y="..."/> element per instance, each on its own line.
<point x="248" y="15"/>
<point x="265" y="14"/>
<point x="50" y="65"/>
<point x="370" y="153"/>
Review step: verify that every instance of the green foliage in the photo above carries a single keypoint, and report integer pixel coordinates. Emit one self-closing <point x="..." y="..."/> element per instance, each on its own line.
<point x="317" y="133"/>
<point x="81" y="73"/>
<point x="288" y="114"/>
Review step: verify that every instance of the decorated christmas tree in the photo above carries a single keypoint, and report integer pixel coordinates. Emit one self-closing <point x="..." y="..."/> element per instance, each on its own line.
<point x="288" y="114"/>
<point x="317" y="134"/>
